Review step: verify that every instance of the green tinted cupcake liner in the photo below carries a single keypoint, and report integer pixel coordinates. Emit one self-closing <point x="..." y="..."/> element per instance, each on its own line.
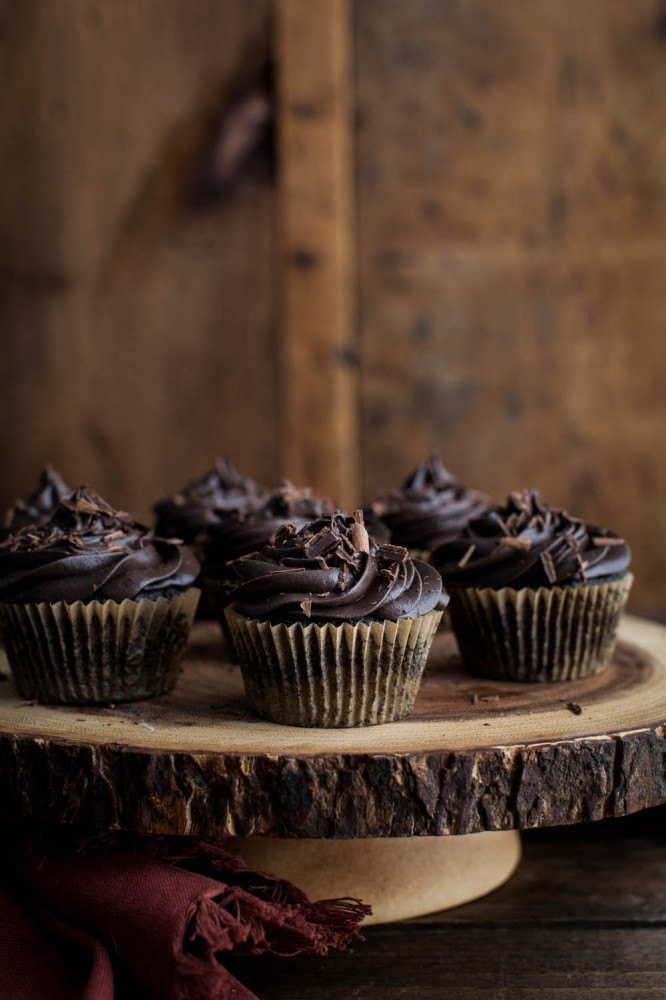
<point x="549" y="634"/>
<point x="332" y="676"/>
<point x="98" y="652"/>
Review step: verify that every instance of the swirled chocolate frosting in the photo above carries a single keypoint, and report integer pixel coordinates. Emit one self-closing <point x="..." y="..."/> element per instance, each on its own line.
<point x="39" y="506"/>
<point x="430" y="507"/>
<point x="526" y="543"/>
<point x="330" y="570"/>
<point x="89" y="550"/>
<point x="195" y="513"/>
<point x="246" y="531"/>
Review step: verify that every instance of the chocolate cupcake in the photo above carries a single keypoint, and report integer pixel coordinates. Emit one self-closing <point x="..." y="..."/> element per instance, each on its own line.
<point x="241" y="532"/>
<point x="39" y="506"/>
<point x="195" y="514"/>
<point x="430" y="508"/>
<point x="330" y="629"/>
<point x="536" y="595"/>
<point x="244" y="531"/>
<point x="93" y="606"/>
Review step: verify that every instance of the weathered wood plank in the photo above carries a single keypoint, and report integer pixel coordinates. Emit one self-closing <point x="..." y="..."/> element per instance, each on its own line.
<point x="197" y="762"/>
<point x="451" y="963"/>
<point x="587" y="877"/>
<point x="137" y="320"/>
<point x="583" y="917"/>
<point x="319" y="417"/>
<point x="512" y="212"/>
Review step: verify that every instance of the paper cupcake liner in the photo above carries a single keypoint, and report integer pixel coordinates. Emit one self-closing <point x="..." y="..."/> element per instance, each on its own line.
<point x="102" y="651"/>
<point x="332" y="676"/>
<point x="549" y="634"/>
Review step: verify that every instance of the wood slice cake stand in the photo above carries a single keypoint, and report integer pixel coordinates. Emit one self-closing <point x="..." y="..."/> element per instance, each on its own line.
<point x="353" y="812"/>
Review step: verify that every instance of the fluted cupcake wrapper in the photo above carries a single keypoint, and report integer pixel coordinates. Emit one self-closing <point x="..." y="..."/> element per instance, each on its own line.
<point x="97" y="652"/>
<point x="548" y="634"/>
<point x="332" y="676"/>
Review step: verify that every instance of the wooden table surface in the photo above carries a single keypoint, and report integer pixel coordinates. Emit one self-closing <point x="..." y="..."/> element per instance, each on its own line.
<point x="584" y="918"/>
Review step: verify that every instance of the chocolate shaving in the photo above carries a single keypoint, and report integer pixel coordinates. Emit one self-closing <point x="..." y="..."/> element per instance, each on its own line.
<point x="360" y="537"/>
<point x="571" y="541"/>
<point x="466" y="558"/>
<point x="575" y="708"/>
<point x="112" y="536"/>
<point x="549" y="567"/>
<point x="519" y="544"/>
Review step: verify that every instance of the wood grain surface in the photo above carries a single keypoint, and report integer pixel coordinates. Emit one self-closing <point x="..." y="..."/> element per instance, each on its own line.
<point x="512" y="252"/>
<point x="137" y="316"/>
<point x="507" y="214"/>
<point x="319" y="438"/>
<point x="473" y="756"/>
<point x="584" y="917"/>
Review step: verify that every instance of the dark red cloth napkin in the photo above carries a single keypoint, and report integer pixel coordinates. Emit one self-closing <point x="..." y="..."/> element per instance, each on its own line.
<point x="161" y="916"/>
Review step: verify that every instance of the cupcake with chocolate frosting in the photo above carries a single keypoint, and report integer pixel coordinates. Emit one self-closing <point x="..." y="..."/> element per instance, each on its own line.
<point x="39" y="506"/>
<point x="244" y="531"/>
<point x="430" y="508"/>
<point x="331" y="629"/>
<point x="93" y="606"/>
<point x="536" y="594"/>
<point x="195" y="514"/>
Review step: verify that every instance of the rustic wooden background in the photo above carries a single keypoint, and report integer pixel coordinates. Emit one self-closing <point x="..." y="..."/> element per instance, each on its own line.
<point x="459" y="241"/>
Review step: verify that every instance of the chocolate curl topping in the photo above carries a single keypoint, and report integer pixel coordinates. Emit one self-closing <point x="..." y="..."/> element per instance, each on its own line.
<point x="242" y="532"/>
<point x="89" y="550"/>
<point x="431" y="507"/>
<point x="360" y="537"/>
<point x="430" y="475"/>
<point x="331" y="570"/>
<point x="526" y="543"/>
<point x="197" y="511"/>
<point x="38" y="507"/>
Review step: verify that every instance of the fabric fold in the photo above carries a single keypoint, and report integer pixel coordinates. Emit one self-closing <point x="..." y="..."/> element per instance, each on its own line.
<point x="162" y="921"/>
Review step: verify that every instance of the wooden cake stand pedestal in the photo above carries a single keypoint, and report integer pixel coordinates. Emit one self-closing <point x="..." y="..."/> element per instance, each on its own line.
<point x="362" y="812"/>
